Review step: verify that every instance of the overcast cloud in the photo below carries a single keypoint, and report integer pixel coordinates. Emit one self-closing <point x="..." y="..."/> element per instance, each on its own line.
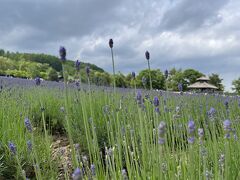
<point x="204" y="34"/>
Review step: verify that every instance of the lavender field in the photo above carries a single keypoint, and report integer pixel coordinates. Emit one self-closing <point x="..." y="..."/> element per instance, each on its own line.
<point x="119" y="90"/>
<point x="56" y="131"/>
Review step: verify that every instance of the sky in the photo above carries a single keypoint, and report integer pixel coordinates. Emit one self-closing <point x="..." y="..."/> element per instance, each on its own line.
<point x="199" y="34"/>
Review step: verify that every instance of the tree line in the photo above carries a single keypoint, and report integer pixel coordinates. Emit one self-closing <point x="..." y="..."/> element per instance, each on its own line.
<point x="31" y="65"/>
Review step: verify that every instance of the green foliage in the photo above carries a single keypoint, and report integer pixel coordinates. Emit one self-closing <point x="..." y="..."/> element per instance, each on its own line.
<point x="236" y="85"/>
<point x="157" y="76"/>
<point x="101" y="78"/>
<point x="176" y="77"/>
<point x="52" y="75"/>
<point x="191" y="75"/>
<point x="6" y="64"/>
<point x="2" y="52"/>
<point x="216" y="81"/>
<point x="29" y="65"/>
<point x="120" y="80"/>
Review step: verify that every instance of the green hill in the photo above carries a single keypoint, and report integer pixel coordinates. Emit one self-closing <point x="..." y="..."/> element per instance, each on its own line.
<point x="31" y="65"/>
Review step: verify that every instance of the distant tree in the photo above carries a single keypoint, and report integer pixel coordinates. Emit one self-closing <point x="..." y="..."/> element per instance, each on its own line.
<point x="33" y="70"/>
<point x="128" y="79"/>
<point x="6" y="64"/>
<point x="236" y="85"/>
<point x="191" y="75"/>
<point x="216" y="81"/>
<point x="176" y="77"/>
<point x="172" y="71"/>
<point x="158" y="80"/>
<point x="52" y="75"/>
<point x="2" y="52"/>
<point x="120" y="80"/>
<point x="101" y="78"/>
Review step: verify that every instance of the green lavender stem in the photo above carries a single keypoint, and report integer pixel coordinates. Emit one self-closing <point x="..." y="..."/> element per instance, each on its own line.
<point x="149" y="72"/>
<point x="113" y="65"/>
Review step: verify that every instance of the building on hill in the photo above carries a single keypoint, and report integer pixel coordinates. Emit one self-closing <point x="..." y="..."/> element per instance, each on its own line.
<point x="202" y="85"/>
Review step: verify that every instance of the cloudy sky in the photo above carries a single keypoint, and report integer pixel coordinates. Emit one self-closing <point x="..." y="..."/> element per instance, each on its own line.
<point x="200" y="34"/>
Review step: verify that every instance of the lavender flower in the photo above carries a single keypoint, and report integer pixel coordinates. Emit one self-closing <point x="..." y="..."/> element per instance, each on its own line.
<point x="161" y="132"/>
<point x="77" y="174"/>
<point x="111" y="43"/>
<point x="77" y="83"/>
<point x="191" y="126"/>
<point x="227" y="128"/>
<point x="139" y="97"/>
<point x="12" y="148"/>
<point x="226" y="103"/>
<point x="77" y="65"/>
<point x="156" y="101"/>
<point x="200" y="132"/>
<point x="133" y="75"/>
<point x="211" y="112"/>
<point x="166" y="73"/>
<point x="93" y="169"/>
<point x="180" y="87"/>
<point x="161" y="128"/>
<point x="62" y="53"/>
<point x="191" y="129"/>
<point x="88" y="70"/>
<point x="227" y="125"/>
<point x="124" y="174"/>
<point x="191" y="140"/>
<point x="161" y="140"/>
<point x="28" y="124"/>
<point x="37" y="81"/>
<point x="227" y="135"/>
<point x="29" y="145"/>
<point x="157" y="110"/>
<point x="147" y="55"/>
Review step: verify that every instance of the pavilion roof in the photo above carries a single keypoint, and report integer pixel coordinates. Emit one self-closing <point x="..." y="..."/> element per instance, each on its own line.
<point x="203" y="78"/>
<point x="203" y="85"/>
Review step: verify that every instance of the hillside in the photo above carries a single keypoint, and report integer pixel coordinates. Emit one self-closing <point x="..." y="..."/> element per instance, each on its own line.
<point x="31" y="65"/>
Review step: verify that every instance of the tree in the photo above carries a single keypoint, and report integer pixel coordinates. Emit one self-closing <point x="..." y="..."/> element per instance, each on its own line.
<point x="52" y="75"/>
<point x="236" y="84"/>
<point x="191" y="75"/>
<point x="158" y="80"/>
<point x="176" y="77"/>
<point x="101" y="78"/>
<point x="2" y="52"/>
<point x="120" y="80"/>
<point x="216" y="81"/>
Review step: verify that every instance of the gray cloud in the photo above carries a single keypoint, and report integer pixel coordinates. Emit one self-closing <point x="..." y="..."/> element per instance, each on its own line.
<point x="189" y="14"/>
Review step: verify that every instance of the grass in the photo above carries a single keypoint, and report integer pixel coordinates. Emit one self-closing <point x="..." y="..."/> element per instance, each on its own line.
<point x="118" y="137"/>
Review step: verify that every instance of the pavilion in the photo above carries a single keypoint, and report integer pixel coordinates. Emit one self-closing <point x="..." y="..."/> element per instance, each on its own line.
<point x="202" y="85"/>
